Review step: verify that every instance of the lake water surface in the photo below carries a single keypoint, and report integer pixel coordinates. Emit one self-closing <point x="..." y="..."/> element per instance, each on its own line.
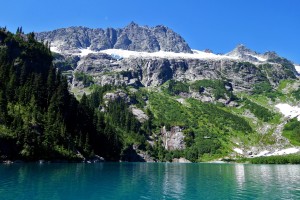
<point x="148" y="181"/>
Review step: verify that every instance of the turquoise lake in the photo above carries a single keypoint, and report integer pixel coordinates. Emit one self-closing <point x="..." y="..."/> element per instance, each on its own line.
<point x="148" y="181"/>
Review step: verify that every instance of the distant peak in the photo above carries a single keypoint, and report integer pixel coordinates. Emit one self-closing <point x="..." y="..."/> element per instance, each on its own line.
<point x="244" y="53"/>
<point x="132" y="24"/>
<point x="271" y="55"/>
<point x="161" y="26"/>
<point x="207" y="51"/>
<point x="242" y="47"/>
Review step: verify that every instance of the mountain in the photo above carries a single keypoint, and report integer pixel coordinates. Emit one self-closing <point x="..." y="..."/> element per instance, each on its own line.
<point x="142" y="95"/>
<point x="152" y="56"/>
<point x="132" y="37"/>
<point x="197" y="102"/>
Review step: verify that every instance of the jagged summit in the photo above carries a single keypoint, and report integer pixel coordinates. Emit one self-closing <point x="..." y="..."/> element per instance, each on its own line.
<point x="271" y="55"/>
<point x="244" y="53"/>
<point x="132" y="37"/>
<point x="241" y="48"/>
<point x="132" y="24"/>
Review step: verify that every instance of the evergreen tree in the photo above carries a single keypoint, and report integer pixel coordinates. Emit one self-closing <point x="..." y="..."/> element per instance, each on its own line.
<point x="3" y="108"/>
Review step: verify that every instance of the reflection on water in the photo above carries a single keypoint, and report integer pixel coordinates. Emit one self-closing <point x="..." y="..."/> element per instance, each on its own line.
<point x="174" y="181"/>
<point x="280" y="179"/>
<point x="240" y="175"/>
<point x="149" y="181"/>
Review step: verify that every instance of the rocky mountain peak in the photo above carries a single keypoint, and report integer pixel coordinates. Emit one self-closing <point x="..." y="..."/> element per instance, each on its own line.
<point x="132" y="37"/>
<point x="244" y="53"/>
<point x="132" y="24"/>
<point x="241" y="49"/>
<point x="271" y="55"/>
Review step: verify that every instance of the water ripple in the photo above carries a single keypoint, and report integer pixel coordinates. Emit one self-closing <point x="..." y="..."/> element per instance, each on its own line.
<point x="149" y="181"/>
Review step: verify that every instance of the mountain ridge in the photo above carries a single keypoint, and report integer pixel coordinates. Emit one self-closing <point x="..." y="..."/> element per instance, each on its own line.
<point x="81" y="40"/>
<point x="147" y="64"/>
<point x="131" y="37"/>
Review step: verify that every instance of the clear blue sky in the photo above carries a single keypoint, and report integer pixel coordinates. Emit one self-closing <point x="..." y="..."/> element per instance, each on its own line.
<point x="219" y="25"/>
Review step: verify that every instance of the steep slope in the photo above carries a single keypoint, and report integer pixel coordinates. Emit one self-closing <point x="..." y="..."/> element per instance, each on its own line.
<point x="39" y="118"/>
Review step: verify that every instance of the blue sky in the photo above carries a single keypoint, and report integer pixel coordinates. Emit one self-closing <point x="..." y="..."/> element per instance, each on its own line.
<point x="218" y="25"/>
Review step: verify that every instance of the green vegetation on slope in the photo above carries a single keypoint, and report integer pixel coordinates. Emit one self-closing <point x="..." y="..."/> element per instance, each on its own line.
<point x="176" y="87"/>
<point x="284" y="159"/>
<point x="39" y="119"/>
<point x="218" y="88"/>
<point x="259" y="111"/>
<point x="296" y="94"/>
<point x="207" y="127"/>
<point x="87" y="80"/>
<point x="292" y="131"/>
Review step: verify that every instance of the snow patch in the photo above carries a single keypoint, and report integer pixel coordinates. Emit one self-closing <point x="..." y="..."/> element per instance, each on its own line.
<point x="285" y="151"/>
<point x="297" y="67"/>
<point x="238" y="150"/>
<point x="278" y="152"/>
<point x="263" y="153"/>
<point x="120" y="53"/>
<point x="54" y="49"/>
<point x="85" y="52"/>
<point x="55" y="46"/>
<point x="163" y="54"/>
<point x="289" y="111"/>
<point x="238" y="57"/>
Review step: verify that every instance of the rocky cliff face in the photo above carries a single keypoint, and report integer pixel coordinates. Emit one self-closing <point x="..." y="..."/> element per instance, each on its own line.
<point x="173" y="139"/>
<point x="154" y="72"/>
<point x="133" y="37"/>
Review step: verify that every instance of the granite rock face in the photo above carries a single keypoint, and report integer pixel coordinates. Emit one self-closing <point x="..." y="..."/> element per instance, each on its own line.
<point x="173" y="139"/>
<point x="132" y="37"/>
<point x="151" y="72"/>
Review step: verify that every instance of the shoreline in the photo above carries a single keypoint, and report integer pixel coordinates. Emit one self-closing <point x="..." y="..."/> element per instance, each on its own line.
<point x="243" y="161"/>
